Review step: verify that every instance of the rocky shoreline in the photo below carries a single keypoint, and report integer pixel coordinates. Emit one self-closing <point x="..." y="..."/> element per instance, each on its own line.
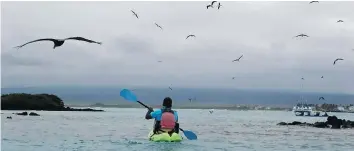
<point x="332" y="122"/>
<point x="39" y="102"/>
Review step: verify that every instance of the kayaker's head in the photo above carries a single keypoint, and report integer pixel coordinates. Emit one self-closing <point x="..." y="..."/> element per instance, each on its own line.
<point x="167" y="102"/>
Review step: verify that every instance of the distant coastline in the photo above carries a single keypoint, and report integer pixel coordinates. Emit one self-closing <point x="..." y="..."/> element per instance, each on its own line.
<point x="209" y="106"/>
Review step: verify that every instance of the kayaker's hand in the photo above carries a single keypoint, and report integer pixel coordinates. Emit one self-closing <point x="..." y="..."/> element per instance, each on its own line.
<point x="150" y="109"/>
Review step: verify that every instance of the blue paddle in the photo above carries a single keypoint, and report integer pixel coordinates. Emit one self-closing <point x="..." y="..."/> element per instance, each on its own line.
<point x="128" y="95"/>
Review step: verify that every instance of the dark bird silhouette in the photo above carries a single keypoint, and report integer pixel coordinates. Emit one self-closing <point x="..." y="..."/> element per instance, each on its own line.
<point x="337" y="60"/>
<point x="322" y="77"/>
<point x="314" y="2"/>
<point x="321" y="98"/>
<point x="237" y="59"/>
<point x="170" y="88"/>
<point x="209" y="6"/>
<point x="159" y="61"/>
<point x="302" y="79"/>
<point x="190" y="99"/>
<point x="190" y="36"/>
<point x="158" y="26"/>
<point x="136" y="15"/>
<point x="60" y="42"/>
<point x="340" y="21"/>
<point x="219" y="5"/>
<point x="233" y="78"/>
<point x="212" y="3"/>
<point x="302" y="35"/>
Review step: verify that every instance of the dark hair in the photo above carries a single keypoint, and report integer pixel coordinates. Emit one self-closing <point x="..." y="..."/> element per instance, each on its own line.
<point x="167" y="102"/>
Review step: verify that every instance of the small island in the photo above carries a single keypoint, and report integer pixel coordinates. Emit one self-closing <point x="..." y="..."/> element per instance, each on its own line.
<point x="45" y="102"/>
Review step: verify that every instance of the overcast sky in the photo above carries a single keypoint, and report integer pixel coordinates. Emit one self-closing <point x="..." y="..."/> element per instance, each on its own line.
<point x="260" y="31"/>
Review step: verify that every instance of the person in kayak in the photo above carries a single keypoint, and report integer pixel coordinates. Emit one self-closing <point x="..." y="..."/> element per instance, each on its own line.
<point x="166" y="119"/>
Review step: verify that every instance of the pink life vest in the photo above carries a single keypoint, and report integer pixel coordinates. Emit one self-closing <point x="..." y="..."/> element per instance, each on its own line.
<point x="168" y="120"/>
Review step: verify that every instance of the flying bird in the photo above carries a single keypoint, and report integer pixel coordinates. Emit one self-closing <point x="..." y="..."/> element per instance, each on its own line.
<point x="136" y="15"/>
<point x="233" y="78"/>
<point x="337" y="60"/>
<point x="219" y="5"/>
<point x="302" y="35"/>
<point x="209" y="6"/>
<point x="340" y="21"/>
<point x="59" y="42"/>
<point x="321" y="98"/>
<point x="190" y="36"/>
<point x="190" y="99"/>
<point x="302" y="79"/>
<point x="212" y="3"/>
<point x="314" y="2"/>
<point x="170" y="88"/>
<point x="322" y="77"/>
<point x="159" y="61"/>
<point x="158" y="26"/>
<point x="237" y="59"/>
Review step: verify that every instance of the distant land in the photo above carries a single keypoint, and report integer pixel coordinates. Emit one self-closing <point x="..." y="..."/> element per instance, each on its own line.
<point x="154" y="96"/>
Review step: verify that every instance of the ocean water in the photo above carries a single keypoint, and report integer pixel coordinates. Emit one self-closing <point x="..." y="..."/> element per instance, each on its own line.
<point x="120" y="129"/>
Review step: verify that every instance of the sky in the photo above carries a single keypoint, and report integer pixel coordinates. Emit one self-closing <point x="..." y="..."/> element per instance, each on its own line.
<point x="263" y="32"/>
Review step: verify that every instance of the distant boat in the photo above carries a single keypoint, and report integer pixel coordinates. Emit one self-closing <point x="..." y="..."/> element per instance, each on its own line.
<point x="303" y="109"/>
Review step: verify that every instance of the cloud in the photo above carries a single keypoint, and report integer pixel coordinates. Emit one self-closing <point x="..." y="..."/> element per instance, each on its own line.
<point x="261" y="31"/>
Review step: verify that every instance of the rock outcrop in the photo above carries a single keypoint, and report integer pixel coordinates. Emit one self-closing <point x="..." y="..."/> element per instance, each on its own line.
<point x="45" y="102"/>
<point x="332" y="122"/>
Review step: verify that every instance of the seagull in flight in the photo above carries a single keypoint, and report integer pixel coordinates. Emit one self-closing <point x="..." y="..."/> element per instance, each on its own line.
<point x="212" y="3"/>
<point x="209" y="6"/>
<point x="322" y="77"/>
<point x="233" y="78"/>
<point x="190" y="99"/>
<point x="136" y="15"/>
<point x="159" y="61"/>
<point x="321" y="98"/>
<point x="158" y="26"/>
<point x="219" y="5"/>
<point x="340" y="21"/>
<point x="60" y="42"/>
<point x="302" y="35"/>
<point x="314" y="2"/>
<point x="337" y="60"/>
<point x="190" y="36"/>
<point x="170" y="88"/>
<point x="302" y="79"/>
<point x="237" y="59"/>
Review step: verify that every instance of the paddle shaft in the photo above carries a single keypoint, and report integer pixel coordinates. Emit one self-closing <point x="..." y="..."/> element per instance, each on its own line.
<point x="143" y="104"/>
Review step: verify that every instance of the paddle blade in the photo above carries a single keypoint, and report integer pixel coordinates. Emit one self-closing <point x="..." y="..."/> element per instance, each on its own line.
<point x="128" y="95"/>
<point x="190" y="135"/>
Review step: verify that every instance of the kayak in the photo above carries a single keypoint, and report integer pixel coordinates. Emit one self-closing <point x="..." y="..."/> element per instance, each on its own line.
<point x="164" y="137"/>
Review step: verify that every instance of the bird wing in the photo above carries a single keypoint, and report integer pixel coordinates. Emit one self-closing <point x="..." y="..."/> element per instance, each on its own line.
<point x="83" y="39"/>
<point x="212" y="3"/>
<point x="240" y="57"/>
<point x="49" y="39"/>
<point x="135" y="14"/>
<point x="188" y="36"/>
<point x="158" y="25"/>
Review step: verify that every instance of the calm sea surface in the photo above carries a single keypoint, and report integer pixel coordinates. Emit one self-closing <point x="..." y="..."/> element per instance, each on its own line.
<point x="120" y="129"/>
